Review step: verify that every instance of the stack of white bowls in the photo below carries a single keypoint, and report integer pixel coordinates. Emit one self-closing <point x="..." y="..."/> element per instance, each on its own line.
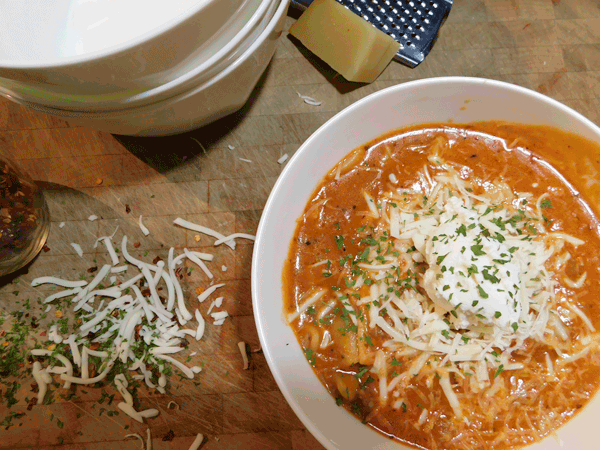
<point x="137" y="67"/>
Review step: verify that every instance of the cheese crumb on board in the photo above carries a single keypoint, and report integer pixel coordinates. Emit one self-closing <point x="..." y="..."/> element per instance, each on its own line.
<point x="77" y="249"/>
<point x="242" y="347"/>
<point x="142" y="227"/>
<point x="309" y="100"/>
<point x="137" y="436"/>
<point x="197" y="442"/>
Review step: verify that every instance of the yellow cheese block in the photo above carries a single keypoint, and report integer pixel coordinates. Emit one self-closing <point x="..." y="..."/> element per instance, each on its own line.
<point x="349" y="44"/>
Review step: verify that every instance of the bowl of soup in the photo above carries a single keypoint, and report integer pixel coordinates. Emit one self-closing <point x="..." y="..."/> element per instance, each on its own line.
<point x="425" y="273"/>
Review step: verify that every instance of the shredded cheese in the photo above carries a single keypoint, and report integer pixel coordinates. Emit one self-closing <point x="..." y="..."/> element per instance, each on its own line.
<point x="122" y="314"/>
<point x="208" y="291"/>
<point x="233" y="236"/>
<point x="309" y="100"/>
<point x="137" y="436"/>
<point x="142" y="227"/>
<point x="77" y="249"/>
<point x="201" y="229"/>
<point x="197" y="442"/>
<point x="242" y="347"/>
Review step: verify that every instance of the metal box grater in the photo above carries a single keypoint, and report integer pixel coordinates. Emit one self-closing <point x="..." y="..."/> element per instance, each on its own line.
<point x="412" y="23"/>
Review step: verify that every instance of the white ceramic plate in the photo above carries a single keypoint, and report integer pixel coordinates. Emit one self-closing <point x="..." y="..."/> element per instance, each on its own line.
<point x="432" y="100"/>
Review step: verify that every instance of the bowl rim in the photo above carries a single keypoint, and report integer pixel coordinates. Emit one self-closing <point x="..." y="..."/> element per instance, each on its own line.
<point x="268" y="210"/>
<point x="202" y="74"/>
<point x="278" y="11"/>
<point x="112" y="51"/>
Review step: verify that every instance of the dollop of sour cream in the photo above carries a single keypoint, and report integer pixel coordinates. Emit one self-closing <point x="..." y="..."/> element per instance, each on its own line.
<point x="472" y="273"/>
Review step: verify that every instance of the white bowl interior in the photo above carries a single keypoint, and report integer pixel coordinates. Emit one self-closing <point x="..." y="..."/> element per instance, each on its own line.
<point x="433" y="100"/>
<point x="42" y="30"/>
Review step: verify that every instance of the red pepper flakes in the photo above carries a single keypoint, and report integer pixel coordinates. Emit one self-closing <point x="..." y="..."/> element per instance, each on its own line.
<point x="169" y="436"/>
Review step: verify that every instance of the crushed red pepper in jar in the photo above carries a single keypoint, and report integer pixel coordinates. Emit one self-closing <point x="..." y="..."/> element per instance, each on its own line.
<point x="24" y="220"/>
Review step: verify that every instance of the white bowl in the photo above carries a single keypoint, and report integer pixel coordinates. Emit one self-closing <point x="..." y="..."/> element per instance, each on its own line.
<point x="171" y="38"/>
<point x="223" y="94"/>
<point x="424" y="101"/>
<point x="202" y="71"/>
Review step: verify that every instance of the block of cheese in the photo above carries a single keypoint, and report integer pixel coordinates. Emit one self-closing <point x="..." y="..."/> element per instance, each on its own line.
<point x="349" y="44"/>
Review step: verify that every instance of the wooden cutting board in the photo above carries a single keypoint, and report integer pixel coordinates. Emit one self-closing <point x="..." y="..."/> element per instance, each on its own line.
<point x="220" y="176"/>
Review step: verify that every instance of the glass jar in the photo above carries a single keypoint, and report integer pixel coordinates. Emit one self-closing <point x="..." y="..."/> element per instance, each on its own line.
<point x="24" y="218"/>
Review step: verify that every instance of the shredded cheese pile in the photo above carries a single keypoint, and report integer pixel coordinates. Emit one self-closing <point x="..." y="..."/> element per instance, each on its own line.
<point x="123" y="320"/>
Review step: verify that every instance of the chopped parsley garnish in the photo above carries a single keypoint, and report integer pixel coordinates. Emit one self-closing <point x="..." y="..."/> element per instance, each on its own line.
<point x="477" y="250"/>
<point x="441" y="258"/>
<point x="310" y="356"/>
<point x="361" y="372"/>
<point x="482" y="292"/>
<point x="499" y="371"/>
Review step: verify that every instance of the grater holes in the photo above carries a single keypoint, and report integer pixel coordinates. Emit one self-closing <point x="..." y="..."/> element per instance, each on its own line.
<point x="406" y="21"/>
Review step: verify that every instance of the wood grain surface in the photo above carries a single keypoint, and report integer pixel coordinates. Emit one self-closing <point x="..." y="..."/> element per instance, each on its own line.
<point x="551" y="46"/>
